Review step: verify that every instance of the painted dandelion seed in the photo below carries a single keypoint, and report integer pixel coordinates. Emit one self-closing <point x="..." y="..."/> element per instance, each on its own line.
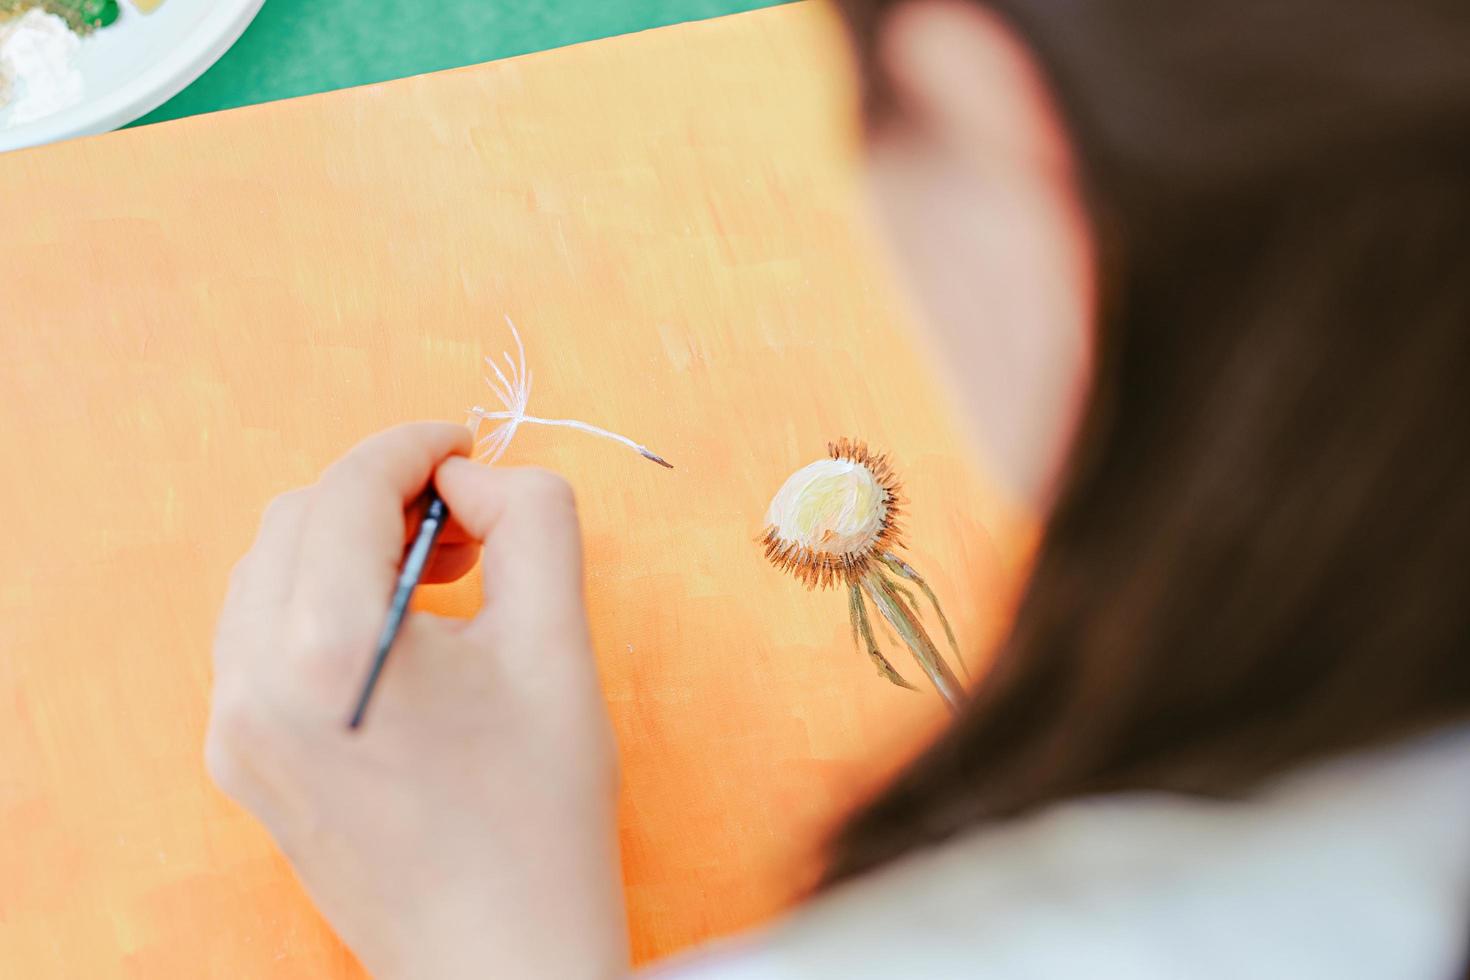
<point x="835" y="522"/>
<point x="512" y="386"/>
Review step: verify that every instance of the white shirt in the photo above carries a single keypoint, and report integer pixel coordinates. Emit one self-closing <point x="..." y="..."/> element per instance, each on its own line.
<point x="1356" y="868"/>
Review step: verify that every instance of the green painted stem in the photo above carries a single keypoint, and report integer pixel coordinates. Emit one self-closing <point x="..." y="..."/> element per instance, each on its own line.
<point x="862" y="635"/>
<point x="903" y="619"/>
<point x="903" y="569"/>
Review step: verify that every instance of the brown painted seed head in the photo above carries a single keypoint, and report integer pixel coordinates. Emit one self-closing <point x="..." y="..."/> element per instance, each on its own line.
<point x="833" y="518"/>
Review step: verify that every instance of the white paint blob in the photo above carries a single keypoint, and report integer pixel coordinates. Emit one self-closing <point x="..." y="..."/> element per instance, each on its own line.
<point x="38" y="68"/>
<point x="835" y="506"/>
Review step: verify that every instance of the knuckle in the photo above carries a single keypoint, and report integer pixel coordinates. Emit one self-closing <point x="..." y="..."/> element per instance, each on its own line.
<point x="311" y="634"/>
<point x="232" y="729"/>
<point x="544" y="490"/>
<point x="353" y="468"/>
<point x="232" y="718"/>
<point x="285" y="506"/>
<point x="324" y="651"/>
<point x="239" y="573"/>
<point x="281" y="513"/>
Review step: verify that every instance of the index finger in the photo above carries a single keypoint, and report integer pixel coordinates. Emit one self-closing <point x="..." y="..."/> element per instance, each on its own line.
<point x="527" y="520"/>
<point x="352" y="540"/>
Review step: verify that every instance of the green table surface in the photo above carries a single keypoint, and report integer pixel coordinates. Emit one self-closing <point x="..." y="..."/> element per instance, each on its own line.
<point x="297" y="47"/>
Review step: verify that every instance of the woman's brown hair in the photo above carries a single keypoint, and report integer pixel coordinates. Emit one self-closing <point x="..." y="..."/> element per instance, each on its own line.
<point x="1258" y="556"/>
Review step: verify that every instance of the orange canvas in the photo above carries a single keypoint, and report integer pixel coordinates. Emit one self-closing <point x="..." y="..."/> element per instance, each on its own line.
<point x="201" y="314"/>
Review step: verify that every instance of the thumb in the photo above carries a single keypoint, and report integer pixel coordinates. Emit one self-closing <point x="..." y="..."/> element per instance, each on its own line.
<point x="526" y="520"/>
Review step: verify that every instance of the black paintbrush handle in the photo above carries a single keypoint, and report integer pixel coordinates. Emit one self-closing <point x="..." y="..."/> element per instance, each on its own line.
<point x="435" y="516"/>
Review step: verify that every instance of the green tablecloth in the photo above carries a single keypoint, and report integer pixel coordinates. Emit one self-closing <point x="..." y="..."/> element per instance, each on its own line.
<point x="296" y="47"/>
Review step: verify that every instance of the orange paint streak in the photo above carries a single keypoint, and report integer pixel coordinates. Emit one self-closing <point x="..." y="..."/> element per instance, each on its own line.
<point x="685" y="256"/>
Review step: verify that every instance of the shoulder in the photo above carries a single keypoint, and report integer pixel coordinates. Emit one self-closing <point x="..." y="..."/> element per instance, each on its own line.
<point x="1358" y="868"/>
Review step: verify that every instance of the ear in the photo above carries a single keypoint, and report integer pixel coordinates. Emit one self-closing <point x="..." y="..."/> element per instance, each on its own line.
<point x="964" y="77"/>
<point x="972" y="176"/>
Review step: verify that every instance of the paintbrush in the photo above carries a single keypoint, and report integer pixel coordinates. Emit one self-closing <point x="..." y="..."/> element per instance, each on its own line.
<point x="436" y="515"/>
<point x="417" y="560"/>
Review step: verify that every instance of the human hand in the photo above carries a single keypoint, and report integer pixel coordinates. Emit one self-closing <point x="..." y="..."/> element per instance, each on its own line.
<point x="467" y="829"/>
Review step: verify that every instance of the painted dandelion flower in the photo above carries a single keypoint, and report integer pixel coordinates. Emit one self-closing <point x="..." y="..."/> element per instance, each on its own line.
<point x="512" y="387"/>
<point x="836" y="522"/>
